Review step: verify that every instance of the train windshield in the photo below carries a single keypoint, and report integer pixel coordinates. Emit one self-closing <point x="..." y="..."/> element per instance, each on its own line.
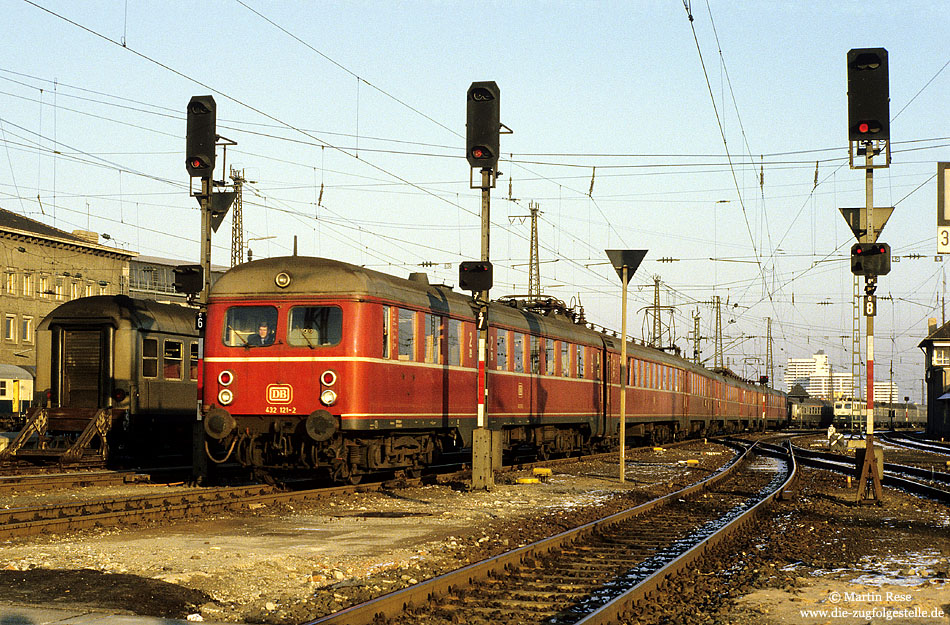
<point x="250" y="326"/>
<point x="315" y="326"/>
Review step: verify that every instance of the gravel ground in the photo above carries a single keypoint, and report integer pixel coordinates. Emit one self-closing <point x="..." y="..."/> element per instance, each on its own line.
<point x="287" y="564"/>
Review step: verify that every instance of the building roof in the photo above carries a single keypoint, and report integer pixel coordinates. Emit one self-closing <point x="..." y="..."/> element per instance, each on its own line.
<point x="940" y="334"/>
<point x="13" y="372"/>
<point x="18" y="224"/>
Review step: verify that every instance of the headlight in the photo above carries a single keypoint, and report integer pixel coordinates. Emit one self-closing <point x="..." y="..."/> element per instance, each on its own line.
<point x="328" y="397"/>
<point x="328" y="378"/>
<point x="225" y="396"/>
<point x="225" y="378"/>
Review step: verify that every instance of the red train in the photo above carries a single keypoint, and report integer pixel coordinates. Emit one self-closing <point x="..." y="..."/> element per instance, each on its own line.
<point x="314" y="363"/>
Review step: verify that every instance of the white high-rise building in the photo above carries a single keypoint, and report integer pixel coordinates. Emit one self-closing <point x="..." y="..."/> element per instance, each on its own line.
<point x="817" y="378"/>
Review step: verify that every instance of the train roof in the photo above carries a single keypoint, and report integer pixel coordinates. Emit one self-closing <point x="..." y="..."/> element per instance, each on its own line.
<point x="119" y="310"/>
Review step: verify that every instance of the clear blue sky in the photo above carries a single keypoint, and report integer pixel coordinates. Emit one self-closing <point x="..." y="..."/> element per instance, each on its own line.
<point x="366" y="99"/>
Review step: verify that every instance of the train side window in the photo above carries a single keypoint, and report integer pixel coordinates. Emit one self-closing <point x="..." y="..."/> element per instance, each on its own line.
<point x="407" y="334"/>
<point x="565" y="361"/>
<point x="550" y="367"/>
<point x="242" y="326"/>
<point x="193" y="363"/>
<point x="517" y="352"/>
<point x="596" y="364"/>
<point x="455" y="342"/>
<point x="580" y="360"/>
<point x="149" y="358"/>
<point x="433" y="338"/>
<point x="533" y="341"/>
<point x="501" y="347"/>
<point x="171" y="357"/>
<point x="386" y="321"/>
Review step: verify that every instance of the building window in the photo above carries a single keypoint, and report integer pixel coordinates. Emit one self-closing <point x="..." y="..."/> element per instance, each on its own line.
<point x="9" y="328"/>
<point x="942" y="356"/>
<point x="26" y="329"/>
<point x="90" y="289"/>
<point x="28" y="285"/>
<point x="75" y="290"/>
<point x="60" y="289"/>
<point x="45" y="291"/>
<point x="10" y="283"/>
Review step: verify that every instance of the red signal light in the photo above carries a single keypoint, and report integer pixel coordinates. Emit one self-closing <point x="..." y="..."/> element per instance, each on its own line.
<point x="863" y="127"/>
<point x="478" y="152"/>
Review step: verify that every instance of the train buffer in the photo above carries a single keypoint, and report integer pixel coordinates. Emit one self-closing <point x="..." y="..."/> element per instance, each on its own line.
<point x="66" y="436"/>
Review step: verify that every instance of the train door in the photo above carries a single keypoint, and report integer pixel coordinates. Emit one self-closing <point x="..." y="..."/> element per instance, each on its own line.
<point x="84" y="372"/>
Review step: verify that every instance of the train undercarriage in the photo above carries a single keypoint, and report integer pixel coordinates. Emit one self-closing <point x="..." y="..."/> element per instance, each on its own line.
<point x="317" y="443"/>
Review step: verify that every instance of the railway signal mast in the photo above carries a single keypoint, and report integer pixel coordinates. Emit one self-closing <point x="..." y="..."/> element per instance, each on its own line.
<point x="869" y="135"/>
<point x="482" y="130"/>
<point x="200" y="141"/>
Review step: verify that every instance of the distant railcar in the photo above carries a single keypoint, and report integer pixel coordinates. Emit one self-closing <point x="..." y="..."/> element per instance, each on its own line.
<point x="314" y="363"/>
<point x="131" y="364"/>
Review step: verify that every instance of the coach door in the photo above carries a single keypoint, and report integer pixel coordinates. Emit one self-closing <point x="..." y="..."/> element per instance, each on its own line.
<point x="83" y="358"/>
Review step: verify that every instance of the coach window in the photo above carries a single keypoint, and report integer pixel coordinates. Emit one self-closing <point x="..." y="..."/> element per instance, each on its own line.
<point x="549" y="364"/>
<point x="149" y="358"/>
<point x="565" y="360"/>
<point x="535" y="354"/>
<point x="455" y="342"/>
<point x="193" y="363"/>
<point x="407" y="334"/>
<point x="596" y="364"/>
<point x="433" y="338"/>
<point x="171" y="366"/>
<point x="386" y="338"/>
<point x="580" y="360"/>
<point x="243" y="326"/>
<point x="315" y="326"/>
<point x="501" y="347"/>
<point x="517" y="352"/>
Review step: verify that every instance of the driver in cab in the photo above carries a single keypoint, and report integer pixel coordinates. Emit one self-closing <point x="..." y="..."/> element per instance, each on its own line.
<point x="264" y="336"/>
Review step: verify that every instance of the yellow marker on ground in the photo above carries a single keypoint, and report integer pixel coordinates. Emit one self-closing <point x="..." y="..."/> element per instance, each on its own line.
<point x="528" y="480"/>
<point x="658" y="449"/>
<point x="542" y="471"/>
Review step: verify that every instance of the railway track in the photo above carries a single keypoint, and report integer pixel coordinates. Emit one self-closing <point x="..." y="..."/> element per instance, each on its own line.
<point x="594" y="573"/>
<point x="907" y="442"/>
<point x="72" y="479"/>
<point x="926" y="482"/>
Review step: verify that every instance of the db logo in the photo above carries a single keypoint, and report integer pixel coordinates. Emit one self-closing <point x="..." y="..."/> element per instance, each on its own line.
<point x="280" y="394"/>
